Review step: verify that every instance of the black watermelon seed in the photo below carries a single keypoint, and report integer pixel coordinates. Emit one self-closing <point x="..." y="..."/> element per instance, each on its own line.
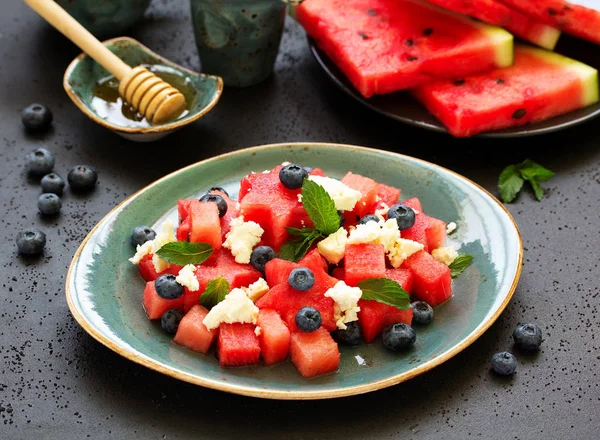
<point x="499" y="81"/>
<point x="459" y="82"/>
<point x="363" y="36"/>
<point x="518" y="114"/>
<point x="372" y="12"/>
<point x="411" y="58"/>
<point x="410" y="43"/>
<point x="427" y="32"/>
<point x="551" y="11"/>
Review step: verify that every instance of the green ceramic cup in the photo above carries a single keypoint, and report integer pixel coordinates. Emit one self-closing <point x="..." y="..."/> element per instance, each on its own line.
<point x="106" y="18"/>
<point x="238" y="40"/>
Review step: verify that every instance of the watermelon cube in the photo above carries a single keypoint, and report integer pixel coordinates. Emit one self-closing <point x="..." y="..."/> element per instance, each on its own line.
<point x="418" y="231"/>
<point x="192" y="333"/>
<point x="232" y="212"/>
<point x="367" y="187"/>
<point x="363" y="261"/>
<point x="237" y="345"/>
<point x="274" y="337"/>
<point x="205" y="224"/>
<point x="404" y="277"/>
<point x="155" y="305"/>
<point x="374" y="316"/>
<point x="432" y="282"/>
<point x="277" y="271"/>
<point x="435" y="233"/>
<point x="388" y="194"/>
<point x="314" y="353"/>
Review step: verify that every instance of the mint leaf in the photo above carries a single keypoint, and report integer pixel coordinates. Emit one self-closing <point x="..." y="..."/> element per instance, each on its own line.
<point x="299" y="232"/>
<point x="215" y="292"/>
<point x="296" y="248"/>
<point x="320" y="207"/>
<point x="184" y="252"/>
<point x="531" y="170"/>
<point x="459" y="264"/>
<point x="537" y="189"/>
<point x="385" y="291"/>
<point x="510" y="183"/>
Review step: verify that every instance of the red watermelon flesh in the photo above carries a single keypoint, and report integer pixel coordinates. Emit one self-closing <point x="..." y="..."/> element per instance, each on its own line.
<point x="571" y="17"/>
<point x="155" y="306"/>
<point x="383" y="46"/>
<point x="192" y="333"/>
<point x="373" y="316"/>
<point x="205" y="225"/>
<point x="183" y="230"/>
<point x="404" y="277"/>
<point x="232" y="212"/>
<point x="436" y="233"/>
<point x="277" y="271"/>
<point x="314" y="353"/>
<point x="148" y="273"/>
<point x="418" y="231"/>
<point x="237" y="345"/>
<point x="540" y="85"/>
<point x="387" y="194"/>
<point x="363" y="261"/>
<point x="432" y="282"/>
<point x="367" y="187"/>
<point x="274" y="337"/>
<point x="496" y="13"/>
<point x="339" y="273"/>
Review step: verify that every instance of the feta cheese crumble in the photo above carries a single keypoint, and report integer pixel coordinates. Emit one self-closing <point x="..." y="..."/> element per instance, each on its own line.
<point x="382" y="212"/>
<point x="450" y="228"/>
<point x="257" y="330"/>
<point x="445" y="255"/>
<point x="382" y="232"/>
<point x="345" y="303"/>
<point x="166" y="235"/>
<point x="257" y="289"/>
<point x="403" y="249"/>
<point x="187" y="278"/>
<point x="344" y="197"/>
<point x="236" y="307"/>
<point x="333" y="247"/>
<point x="241" y="238"/>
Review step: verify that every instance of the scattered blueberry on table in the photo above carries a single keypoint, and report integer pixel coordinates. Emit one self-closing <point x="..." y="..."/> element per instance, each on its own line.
<point x="39" y="162"/>
<point x="49" y="204"/>
<point x="82" y="178"/>
<point x="36" y="117"/>
<point x="53" y="183"/>
<point x="31" y="242"/>
<point x="504" y="363"/>
<point x="527" y="337"/>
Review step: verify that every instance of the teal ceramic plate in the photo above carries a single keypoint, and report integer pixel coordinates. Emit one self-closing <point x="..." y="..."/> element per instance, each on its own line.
<point x="104" y="290"/>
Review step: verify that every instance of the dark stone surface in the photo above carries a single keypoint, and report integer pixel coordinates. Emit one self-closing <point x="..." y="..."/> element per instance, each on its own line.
<point x="56" y="382"/>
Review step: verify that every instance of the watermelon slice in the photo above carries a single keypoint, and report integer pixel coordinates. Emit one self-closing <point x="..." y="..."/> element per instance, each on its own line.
<point x="367" y="187"/>
<point x="205" y="225"/>
<point x="387" y="194"/>
<point x="580" y="18"/>
<point x="192" y="333"/>
<point x="432" y="282"/>
<point x="387" y="45"/>
<point x="374" y="316"/>
<point x="155" y="305"/>
<point x="274" y="337"/>
<point x="514" y="21"/>
<point x="314" y="353"/>
<point x="540" y="85"/>
<point x="237" y="345"/>
<point x="363" y="261"/>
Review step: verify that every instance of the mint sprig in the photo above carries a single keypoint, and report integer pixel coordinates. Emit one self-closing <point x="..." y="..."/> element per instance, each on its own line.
<point x="385" y="291"/>
<point x="184" y="252"/>
<point x="321" y="210"/>
<point x="459" y="264"/>
<point x="513" y="177"/>
<point x="216" y="291"/>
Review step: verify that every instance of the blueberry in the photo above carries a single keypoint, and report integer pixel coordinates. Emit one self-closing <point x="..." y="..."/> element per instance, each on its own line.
<point x="528" y="337"/>
<point x="404" y="215"/>
<point x="308" y="319"/>
<point x="308" y="169"/>
<point x="53" y="183"/>
<point x="142" y="234"/>
<point x="36" y="117"/>
<point x="342" y="218"/>
<point x="31" y="242"/>
<point x="167" y="287"/>
<point x="422" y="312"/>
<point x="301" y="278"/>
<point x="292" y="176"/>
<point x="352" y="335"/>
<point x="170" y="320"/>
<point x="399" y="336"/>
<point x="218" y="188"/>
<point x="39" y="161"/>
<point x="504" y="363"/>
<point x="82" y="177"/>
<point x="260" y="256"/>
<point x="368" y="218"/>
<point x="220" y="201"/>
<point x="49" y="204"/>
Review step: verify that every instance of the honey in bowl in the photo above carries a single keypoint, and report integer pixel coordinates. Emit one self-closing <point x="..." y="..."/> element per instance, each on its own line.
<point x="108" y="104"/>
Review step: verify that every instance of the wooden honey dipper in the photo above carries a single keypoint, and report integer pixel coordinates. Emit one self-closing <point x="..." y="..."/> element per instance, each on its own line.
<point x="153" y="97"/>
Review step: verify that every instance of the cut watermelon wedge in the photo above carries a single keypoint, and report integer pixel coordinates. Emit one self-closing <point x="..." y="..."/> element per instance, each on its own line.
<point x="540" y="85"/>
<point x="383" y="46"/>
<point x="570" y="17"/>
<point x="496" y="13"/>
<point x="314" y="353"/>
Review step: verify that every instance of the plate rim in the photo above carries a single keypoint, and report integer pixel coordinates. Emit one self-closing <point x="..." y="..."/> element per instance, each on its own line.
<point x="277" y="394"/>
<point x="497" y="134"/>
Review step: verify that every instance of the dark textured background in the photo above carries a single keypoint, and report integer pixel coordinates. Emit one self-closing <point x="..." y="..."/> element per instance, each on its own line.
<point x="56" y="382"/>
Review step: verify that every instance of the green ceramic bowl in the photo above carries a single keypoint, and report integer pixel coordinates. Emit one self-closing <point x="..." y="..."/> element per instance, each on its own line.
<point x="83" y="74"/>
<point x="104" y="290"/>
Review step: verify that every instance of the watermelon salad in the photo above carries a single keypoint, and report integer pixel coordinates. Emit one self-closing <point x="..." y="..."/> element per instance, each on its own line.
<point x="423" y="47"/>
<point x="300" y="264"/>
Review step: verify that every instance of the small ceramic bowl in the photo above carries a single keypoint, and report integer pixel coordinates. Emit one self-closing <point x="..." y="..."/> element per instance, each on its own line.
<point x="83" y="74"/>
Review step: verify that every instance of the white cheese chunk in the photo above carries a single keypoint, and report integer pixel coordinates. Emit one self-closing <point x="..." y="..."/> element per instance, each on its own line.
<point x="382" y="212"/>
<point x="445" y="255"/>
<point x="257" y="289"/>
<point x="187" y="278"/>
<point x="450" y="228"/>
<point x="236" y="307"/>
<point x="333" y="247"/>
<point x="403" y="249"/>
<point x="166" y="235"/>
<point x="382" y="232"/>
<point x="345" y="303"/>
<point x="344" y="197"/>
<point x="241" y="238"/>
<point x="257" y="330"/>
<point x="141" y="251"/>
